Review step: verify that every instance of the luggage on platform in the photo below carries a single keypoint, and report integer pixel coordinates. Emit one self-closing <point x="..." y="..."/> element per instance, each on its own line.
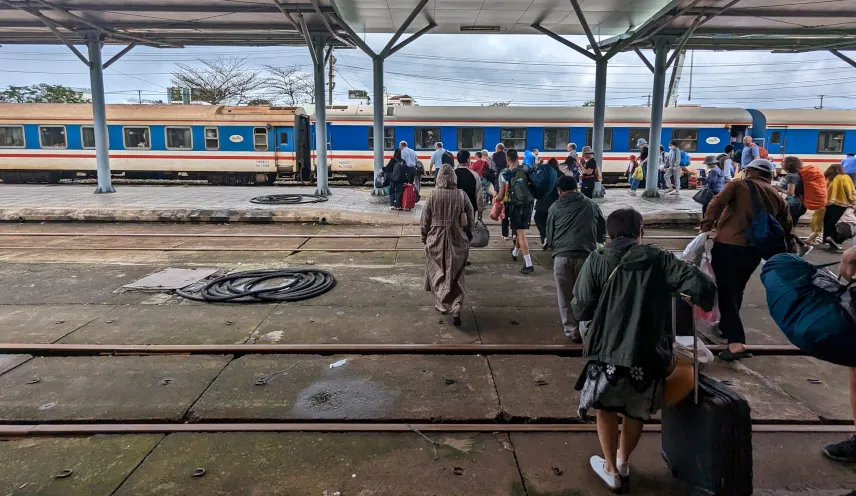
<point x="707" y="437"/>
<point x="408" y="197"/>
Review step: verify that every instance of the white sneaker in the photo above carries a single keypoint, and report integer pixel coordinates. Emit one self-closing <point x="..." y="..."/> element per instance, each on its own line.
<point x="613" y="481"/>
<point x="623" y="469"/>
<point x="674" y="192"/>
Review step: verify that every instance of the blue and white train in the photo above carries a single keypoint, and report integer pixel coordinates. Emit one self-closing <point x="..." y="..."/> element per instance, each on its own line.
<point x="257" y="145"/>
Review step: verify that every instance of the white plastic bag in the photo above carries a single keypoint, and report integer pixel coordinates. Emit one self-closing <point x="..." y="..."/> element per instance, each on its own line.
<point x="707" y="319"/>
<point x="693" y="252"/>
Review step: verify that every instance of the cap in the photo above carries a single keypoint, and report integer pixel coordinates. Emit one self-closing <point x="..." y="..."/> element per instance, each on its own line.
<point x="587" y="149"/>
<point x="641" y="142"/>
<point x="762" y="165"/>
<point x="710" y="160"/>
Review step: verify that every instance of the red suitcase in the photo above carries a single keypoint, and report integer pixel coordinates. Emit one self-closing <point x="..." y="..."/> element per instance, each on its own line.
<point x="408" y="197"/>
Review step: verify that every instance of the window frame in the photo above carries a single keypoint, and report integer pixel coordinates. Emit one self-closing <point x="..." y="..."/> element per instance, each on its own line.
<point x="166" y="138"/>
<point x="524" y="138"/>
<point x="385" y="129"/>
<point x="459" y="135"/>
<point x="206" y="138"/>
<point x="64" y="133"/>
<point x="557" y="129"/>
<point x="632" y="142"/>
<point x="125" y="138"/>
<point x="679" y="141"/>
<point x="826" y="131"/>
<point x="267" y="139"/>
<point x="606" y="131"/>
<point x="779" y="141"/>
<point x="94" y="144"/>
<point x="416" y="132"/>
<point x="23" y="135"/>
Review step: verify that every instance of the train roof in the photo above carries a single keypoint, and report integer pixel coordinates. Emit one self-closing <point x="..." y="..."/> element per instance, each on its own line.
<point x="614" y="115"/>
<point x="810" y="118"/>
<point x="71" y="112"/>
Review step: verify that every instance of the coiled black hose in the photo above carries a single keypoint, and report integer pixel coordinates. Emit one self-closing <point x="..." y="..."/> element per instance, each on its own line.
<point x="262" y="286"/>
<point x="289" y="199"/>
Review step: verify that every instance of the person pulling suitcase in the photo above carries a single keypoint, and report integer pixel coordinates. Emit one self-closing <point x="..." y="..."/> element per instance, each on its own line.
<point x="625" y="290"/>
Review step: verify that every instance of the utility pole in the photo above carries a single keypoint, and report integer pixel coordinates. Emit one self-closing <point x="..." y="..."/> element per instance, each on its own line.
<point x="140" y="96"/>
<point x="331" y="84"/>
<point x="675" y="82"/>
<point x="649" y="100"/>
<point x="821" y="102"/>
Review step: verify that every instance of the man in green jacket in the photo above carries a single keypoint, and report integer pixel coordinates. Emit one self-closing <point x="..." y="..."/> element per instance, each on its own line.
<point x="625" y="289"/>
<point x="574" y="227"/>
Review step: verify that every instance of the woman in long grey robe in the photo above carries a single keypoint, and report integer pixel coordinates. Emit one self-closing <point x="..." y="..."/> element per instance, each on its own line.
<point x="447" y="242"/>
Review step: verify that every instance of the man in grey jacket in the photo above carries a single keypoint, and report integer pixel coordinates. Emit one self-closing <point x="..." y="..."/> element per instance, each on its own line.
<point x="673" y="168"/>
<point x="575" y="225"/>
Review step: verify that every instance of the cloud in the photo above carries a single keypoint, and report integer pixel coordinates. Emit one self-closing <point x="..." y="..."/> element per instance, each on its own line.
<point x="479" y="69"/>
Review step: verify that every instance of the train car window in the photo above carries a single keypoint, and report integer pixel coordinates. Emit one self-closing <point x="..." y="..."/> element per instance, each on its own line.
<point x="52" y="137"/>
<point x="87" y="137"/>
<point x="212" y="138"/>
<point x="180" y="138"/>
<point x="556" y="139"/>
<point x="426" y="137"/>
<point x="283" y="138"/>
<point x="687" y="139"/>
<point x="830" y="142"/>
<point x="470" y="138"/>
<point x="260" y="138"/>
<point x="388" y="138"/>
<point x="513" y="138"/>
<point x="607" y="138"/>
<point x="12" y="137"/>
<point x="137" y="137"/>
<point x="635" y="134"/>
<point x="776" y="138"/>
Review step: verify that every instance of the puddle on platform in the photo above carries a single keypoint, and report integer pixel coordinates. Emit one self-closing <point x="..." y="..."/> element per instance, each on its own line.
<point x="343" y="399"/>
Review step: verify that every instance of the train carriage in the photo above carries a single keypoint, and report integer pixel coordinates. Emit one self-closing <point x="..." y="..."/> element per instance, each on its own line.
<point x="225" y="145"/>
<point x="818" y="137"/>
<point x="699" y="131"/>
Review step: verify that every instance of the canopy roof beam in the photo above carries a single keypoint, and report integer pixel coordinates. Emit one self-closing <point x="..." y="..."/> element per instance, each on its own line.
<point x="644" y="59"/>
<point x="327" y="24"/>
<point x="118" y="55"/>
<point x="582" y="18"/>
<point x="843" y="57"/>
<point x="568" y="43"/>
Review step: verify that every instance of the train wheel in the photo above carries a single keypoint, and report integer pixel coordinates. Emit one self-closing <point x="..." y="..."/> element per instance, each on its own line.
<point x="357" y="180"/>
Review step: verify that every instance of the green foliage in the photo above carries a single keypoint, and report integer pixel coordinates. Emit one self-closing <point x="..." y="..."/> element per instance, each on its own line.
<point x="41" y="93"/>
<point x="259" y="102"/>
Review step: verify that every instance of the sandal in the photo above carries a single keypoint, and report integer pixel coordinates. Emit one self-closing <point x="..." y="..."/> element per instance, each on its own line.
<point x="729" y="356"/>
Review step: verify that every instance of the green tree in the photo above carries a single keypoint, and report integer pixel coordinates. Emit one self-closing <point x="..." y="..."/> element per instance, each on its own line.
<point x="41" y="93"/>
<point x="259" y="102"/>
<point x="588" y="104"/>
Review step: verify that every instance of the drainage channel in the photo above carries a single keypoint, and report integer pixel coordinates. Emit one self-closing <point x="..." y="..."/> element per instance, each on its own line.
<point x="58" y="349"/>
<point x="23" y="430"/>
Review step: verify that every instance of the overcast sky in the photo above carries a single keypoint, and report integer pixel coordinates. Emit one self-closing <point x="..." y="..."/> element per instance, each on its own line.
<point x="478" y="69"/>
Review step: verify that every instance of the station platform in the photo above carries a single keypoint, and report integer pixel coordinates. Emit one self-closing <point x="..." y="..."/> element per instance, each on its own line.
<point x="200" y="203"/>
<point x="68" y="290"/>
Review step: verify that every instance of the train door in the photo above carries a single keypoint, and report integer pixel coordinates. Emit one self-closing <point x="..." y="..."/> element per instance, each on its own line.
<point x="777" y="143"/>
<point x="302" y="149"/>
<point x="283" y="150"/>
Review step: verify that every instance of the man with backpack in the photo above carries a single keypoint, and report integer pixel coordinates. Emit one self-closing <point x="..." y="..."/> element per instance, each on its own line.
<point x="515" y="186"/>
<point x="752" y="222"/>
<point x="672" y="168"/>
<point x="751" y="151"/>
<point x="574" y="226"/>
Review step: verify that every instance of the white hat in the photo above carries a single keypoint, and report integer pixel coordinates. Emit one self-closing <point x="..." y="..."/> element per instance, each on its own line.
<point x="762" y="165"/>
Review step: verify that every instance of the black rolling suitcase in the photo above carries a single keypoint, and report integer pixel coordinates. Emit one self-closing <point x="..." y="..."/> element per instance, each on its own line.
<point x="707" y="440"/>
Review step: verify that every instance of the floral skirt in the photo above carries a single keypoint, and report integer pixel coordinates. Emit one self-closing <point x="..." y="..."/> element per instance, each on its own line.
<point x="633" y="392"/>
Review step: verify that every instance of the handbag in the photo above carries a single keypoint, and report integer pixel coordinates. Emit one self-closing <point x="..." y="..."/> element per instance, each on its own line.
<point x="481" y="235"/>
<point x="497" y="211"/>
<point x="703" y="196"/>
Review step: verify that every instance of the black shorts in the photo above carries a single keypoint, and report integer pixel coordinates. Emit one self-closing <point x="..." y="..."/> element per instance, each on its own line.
<point x="519" y="216"/>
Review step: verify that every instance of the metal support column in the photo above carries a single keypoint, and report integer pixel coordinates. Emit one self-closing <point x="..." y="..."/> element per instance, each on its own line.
<point x="321" y="169"/>
<point x="661" y="51"/>
<point x="379" y="137"/>
<point x="99" y="113"/>
<point x="599" y="109"/>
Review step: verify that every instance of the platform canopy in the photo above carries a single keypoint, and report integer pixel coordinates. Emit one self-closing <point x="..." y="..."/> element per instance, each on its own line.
<point x="169" y="23"/>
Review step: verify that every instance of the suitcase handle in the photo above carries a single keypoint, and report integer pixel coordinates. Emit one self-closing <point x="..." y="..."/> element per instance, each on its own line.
<point x="695" y="342"/>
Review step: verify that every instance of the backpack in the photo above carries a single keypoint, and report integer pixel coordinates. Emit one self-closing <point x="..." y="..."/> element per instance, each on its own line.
<point x="544" y="179"/>
<point x="518" y="188"/>
<point x="489" y="175"/>
<point x="448" y="158"/>
<point x="763" y="153"/>
<point x="764" y="231"/>
<point x="685" y="159"/>
<point x="399" y="173"/>
<point x="812" y="308"/>
<point x="814" y="187"/>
